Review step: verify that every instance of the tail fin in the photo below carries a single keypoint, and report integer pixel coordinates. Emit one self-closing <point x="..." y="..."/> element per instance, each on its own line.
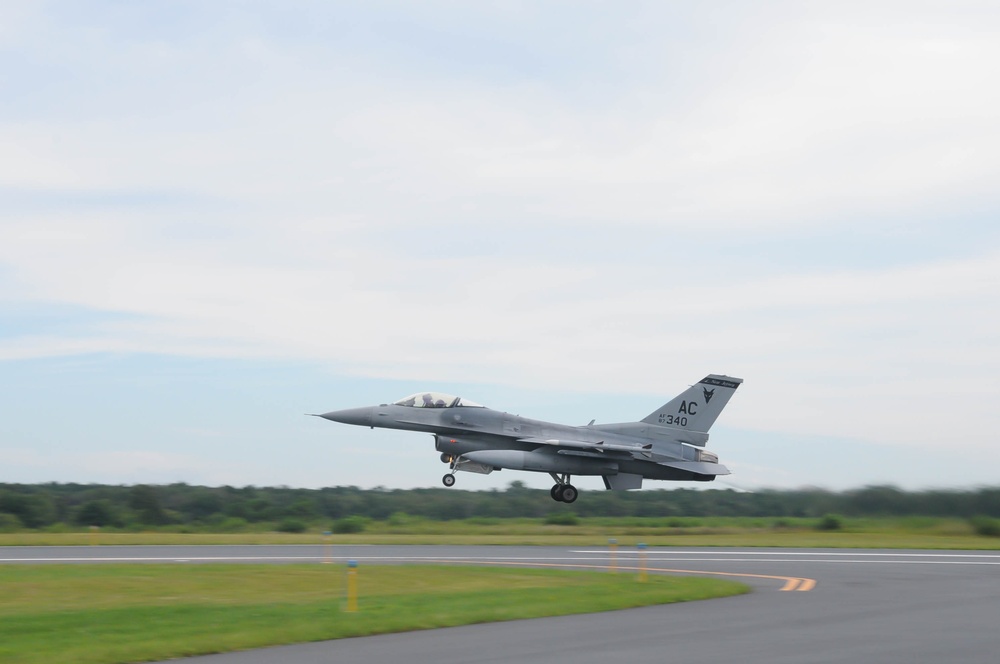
<point x="697" y="408"/>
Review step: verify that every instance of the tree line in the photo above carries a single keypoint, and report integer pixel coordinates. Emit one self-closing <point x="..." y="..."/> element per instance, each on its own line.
<point x="37" y="506"/>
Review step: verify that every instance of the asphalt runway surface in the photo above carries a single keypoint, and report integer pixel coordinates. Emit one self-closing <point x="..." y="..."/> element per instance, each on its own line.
<point x="808" y="605"/>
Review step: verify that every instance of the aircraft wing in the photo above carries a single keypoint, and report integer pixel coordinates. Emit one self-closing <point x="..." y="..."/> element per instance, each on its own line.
<point x="601" y="448"/>
<point x="605" y="450"/>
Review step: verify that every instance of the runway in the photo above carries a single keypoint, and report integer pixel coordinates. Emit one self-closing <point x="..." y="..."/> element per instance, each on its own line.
<point x="808" y="605"/>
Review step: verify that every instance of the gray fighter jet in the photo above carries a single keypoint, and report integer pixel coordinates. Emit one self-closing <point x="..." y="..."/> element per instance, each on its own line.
<point x="666" y="445"/>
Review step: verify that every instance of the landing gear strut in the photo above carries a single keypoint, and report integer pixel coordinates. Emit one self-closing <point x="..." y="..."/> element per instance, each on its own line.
<point x="563" y="491"/>
<point x="449" y="479"/>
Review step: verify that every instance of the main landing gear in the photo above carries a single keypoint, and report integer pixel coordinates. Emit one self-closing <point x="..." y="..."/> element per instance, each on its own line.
<point x="563" y="491"/>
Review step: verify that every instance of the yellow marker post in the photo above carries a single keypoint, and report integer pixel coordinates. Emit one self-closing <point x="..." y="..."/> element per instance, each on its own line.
<point x="613" y="548"/>
<point x="327" y="547"/>
<point x="642" y="563"/>
<point x="93" y="535"/>
<point x="352" y="586"/>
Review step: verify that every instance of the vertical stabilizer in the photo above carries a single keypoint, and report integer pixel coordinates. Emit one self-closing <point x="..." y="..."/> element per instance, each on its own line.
<point x="697" y="408"/>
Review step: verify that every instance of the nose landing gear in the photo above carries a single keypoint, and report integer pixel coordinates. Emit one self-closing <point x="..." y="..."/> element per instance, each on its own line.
<point x="449" y="479"/>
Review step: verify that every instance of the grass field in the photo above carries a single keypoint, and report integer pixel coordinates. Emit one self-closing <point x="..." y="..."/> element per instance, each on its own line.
<point x="910" y="533"/>
<point x="124" y="613"/>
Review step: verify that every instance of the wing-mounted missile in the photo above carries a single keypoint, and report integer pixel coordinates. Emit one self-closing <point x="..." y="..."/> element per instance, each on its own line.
<point x="600" y="446"/>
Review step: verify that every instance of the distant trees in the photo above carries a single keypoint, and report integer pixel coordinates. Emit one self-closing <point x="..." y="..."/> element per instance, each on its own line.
<point x="232" y="508"/>
<point x="142" y="499"/>
<point x="32" y="506"/>
<point x="96" y="513"/>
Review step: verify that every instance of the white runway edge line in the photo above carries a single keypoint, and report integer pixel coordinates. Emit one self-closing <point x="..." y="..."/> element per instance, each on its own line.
<point x="652" y="556"/>
<point x="838" y="561"/>
<point x="485" y="559"/>
<point x="151" y="559"/>
<point x="791" y="583"/>
<point x="858" y="554"/>
<point x="844" y="559"/>
<point x="83" y="559"/>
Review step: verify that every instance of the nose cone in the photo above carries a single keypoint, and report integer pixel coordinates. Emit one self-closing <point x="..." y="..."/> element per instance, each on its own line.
<point x="360" y="416"/>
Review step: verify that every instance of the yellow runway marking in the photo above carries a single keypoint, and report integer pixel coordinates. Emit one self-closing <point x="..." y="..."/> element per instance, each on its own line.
<point x="791" y="582"/>
<point x="801" y="585"/>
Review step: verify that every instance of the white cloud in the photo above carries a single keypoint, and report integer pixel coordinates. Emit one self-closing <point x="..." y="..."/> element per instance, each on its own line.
<point x="892" y="353"/>
<point x="798" y="121"/>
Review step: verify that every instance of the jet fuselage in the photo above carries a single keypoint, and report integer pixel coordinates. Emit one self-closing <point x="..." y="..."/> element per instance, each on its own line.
<point x="666" y="445"/>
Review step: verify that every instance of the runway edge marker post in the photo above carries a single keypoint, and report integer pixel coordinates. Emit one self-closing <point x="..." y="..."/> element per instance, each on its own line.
<point x="352" y="586"/>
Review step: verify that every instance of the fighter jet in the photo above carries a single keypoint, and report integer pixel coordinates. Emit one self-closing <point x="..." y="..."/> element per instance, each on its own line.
<point x="667" y="444"/>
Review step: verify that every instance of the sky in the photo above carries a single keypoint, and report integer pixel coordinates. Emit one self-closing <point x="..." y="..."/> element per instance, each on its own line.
<point x="218" y="217"/>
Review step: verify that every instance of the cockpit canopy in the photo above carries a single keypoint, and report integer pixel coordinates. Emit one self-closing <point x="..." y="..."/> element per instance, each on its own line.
<point x="436" y="400"/>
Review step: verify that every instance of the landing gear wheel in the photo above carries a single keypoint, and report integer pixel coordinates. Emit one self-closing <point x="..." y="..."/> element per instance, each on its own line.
<point x="446" y="458"/>
<point x="569" y="493"/>
<point x="448" y="480"/>
<point x="557" y="493"/>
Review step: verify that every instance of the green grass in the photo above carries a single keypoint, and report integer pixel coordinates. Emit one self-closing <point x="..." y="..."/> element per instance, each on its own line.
<point x="910" y="532"/>
<point x="123" y="613"/>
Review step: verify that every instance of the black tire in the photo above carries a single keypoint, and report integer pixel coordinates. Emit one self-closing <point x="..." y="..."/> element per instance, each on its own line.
<point x="569" y="494"/>
<point x="556" y="493"/>
<point x="448" y="480"/>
